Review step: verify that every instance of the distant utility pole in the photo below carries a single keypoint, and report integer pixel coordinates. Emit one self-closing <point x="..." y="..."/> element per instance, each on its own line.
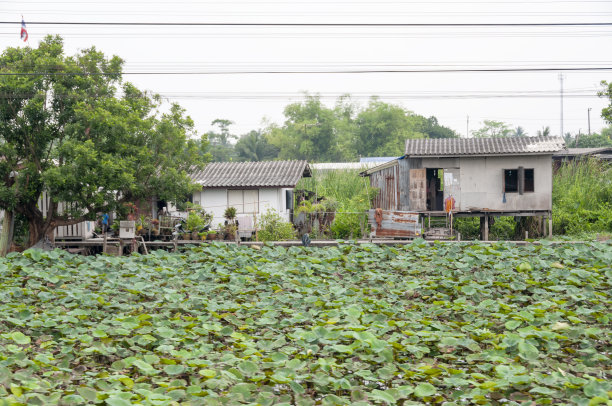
<point x="589" y="115"/>
<point x="561" y="80"/>
<point x="467" y="128"/>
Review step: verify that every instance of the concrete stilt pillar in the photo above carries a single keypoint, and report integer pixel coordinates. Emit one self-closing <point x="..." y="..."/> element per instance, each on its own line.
<point x="550" y="231"/>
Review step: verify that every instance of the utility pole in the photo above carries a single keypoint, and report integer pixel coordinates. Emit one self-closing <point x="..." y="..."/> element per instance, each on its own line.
<point x="467" y="128"/>
<point x="589" y="115"/>
<point x="561" y="80"/>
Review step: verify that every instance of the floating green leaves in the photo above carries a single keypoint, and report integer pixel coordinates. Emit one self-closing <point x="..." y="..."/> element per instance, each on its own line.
<point x="221" y="324"/>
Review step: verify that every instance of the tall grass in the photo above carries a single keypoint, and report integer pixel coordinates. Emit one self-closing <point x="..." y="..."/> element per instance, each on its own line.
<point x="346" y="187"/>
<point x="351" y="195"/>
<point x="582" y="197"/>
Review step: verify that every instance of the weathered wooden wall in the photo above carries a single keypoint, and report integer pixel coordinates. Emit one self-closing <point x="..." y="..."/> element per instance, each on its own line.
<point x="386" y="181"/>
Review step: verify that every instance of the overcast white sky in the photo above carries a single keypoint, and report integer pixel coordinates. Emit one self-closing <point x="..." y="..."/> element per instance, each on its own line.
<point x="247" y="99"/>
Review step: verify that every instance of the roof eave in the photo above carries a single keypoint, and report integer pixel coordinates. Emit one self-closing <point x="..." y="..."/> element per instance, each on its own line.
<point x="478" y="155"/>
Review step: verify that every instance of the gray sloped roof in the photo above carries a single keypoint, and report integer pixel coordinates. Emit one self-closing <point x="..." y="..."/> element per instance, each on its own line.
<point x="583" y="151"/>
<point x="483" y="146"/>
<point x="251" y="174"/>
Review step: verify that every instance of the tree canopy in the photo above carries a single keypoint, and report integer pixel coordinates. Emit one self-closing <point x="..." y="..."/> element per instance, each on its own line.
<point x="72" y="127"/>
<point x="345" y="132"/>
<point x="221" y="146"/>
<point x="493" y="129"/>
<point x="606" y="112"/>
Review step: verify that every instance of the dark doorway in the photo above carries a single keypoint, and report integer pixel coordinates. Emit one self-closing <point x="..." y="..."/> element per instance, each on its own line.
<point x="435" y="189"/>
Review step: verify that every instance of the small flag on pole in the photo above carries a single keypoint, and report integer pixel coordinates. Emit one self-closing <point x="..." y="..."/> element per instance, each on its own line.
<point x="24" y="32"/>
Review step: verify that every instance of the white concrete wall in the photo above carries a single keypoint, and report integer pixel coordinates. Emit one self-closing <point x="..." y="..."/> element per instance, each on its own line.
<point x="215" y="201"/>
<point x="481" y="183"/>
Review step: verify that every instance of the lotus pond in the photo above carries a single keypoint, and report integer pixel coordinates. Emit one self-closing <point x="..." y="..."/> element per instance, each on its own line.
<point x="222" y="324"/>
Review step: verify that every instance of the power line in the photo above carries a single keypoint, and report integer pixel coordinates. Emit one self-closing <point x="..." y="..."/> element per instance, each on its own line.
<point x="237" y="24"/>
<point x="304" y="72"/>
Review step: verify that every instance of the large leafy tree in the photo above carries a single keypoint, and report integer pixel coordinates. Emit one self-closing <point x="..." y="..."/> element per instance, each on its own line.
<point x="383" y="129"/>
<point x="70" y="126"/>
<point x="345" y="132"/>
<point x="221" y="146"/>
<point x="308" y="133"/>
<point x="431" y="128"/>
<point x="493" y="129"/>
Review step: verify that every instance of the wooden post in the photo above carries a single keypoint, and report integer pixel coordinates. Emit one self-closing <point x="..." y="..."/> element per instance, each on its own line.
<point x="144" y="245"/>
<point x="104" y="243"/>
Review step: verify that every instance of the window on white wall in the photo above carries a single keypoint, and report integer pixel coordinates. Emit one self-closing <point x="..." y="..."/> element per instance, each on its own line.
<point x="245" y="201"/>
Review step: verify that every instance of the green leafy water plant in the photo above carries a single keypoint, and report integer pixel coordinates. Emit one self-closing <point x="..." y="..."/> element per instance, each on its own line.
<point x="225" y="324"/>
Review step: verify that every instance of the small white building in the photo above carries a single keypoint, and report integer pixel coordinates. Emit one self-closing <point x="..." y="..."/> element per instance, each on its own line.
<point x="251" y="187"/>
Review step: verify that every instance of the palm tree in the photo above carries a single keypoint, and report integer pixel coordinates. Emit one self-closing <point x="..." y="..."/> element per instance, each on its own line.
<point x="544" y="132"/>
<point x="519" y="132"/>
<point x="255" y="147"/>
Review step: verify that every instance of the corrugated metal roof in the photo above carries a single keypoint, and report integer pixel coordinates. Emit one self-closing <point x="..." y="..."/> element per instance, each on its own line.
<point x="483" y="146"/>
<point x="377" y="159"/>
<point x="582" y="151"/>
<point x="251" y="174"/>
<point x="339" y="166"/>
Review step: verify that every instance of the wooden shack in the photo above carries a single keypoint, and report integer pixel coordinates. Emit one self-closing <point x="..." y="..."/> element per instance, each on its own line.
<point x="476" y="177"/>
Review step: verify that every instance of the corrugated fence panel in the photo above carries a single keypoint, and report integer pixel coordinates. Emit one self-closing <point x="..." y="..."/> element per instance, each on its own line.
<point x="395" y="224"/>
<point x="386" y="181"/>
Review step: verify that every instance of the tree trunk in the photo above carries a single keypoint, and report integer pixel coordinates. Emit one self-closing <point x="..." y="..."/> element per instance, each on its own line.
<point x="6" y="237"/>
<point x="36" y="223"/>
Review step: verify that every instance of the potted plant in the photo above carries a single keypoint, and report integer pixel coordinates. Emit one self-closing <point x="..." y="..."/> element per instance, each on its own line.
<point x="231" y="226"/>
<point x="155" y="227"/>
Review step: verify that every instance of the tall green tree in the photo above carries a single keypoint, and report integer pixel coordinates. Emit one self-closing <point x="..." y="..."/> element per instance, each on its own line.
<point x="493" y="129"/>
<point x="71" y="127"/>
<point x="431" y="128"/>
<point x="383" y="128"/>
<point x="221" y="147"/>
<point x="606" y="112"/>
<point x="308" y="132"/>
<point x="255" y="147"/>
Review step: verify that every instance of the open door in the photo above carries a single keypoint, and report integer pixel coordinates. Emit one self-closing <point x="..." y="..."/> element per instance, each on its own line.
<point x="418" y="189"/>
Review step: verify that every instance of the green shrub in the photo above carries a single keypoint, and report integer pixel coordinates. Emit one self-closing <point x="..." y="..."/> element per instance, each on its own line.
<point x="469" y="227"/>
<point x="348" y="225"/>
<point x="272" y="227"/>
<point x="503" y="229"/>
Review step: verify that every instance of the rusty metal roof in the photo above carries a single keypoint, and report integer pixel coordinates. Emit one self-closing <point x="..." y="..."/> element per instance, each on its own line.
<point x="251" y="174"/>
<point x="483" y="146"/>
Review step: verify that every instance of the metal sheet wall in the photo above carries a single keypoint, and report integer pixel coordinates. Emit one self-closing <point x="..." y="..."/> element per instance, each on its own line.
<point x="386" y="181"/>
